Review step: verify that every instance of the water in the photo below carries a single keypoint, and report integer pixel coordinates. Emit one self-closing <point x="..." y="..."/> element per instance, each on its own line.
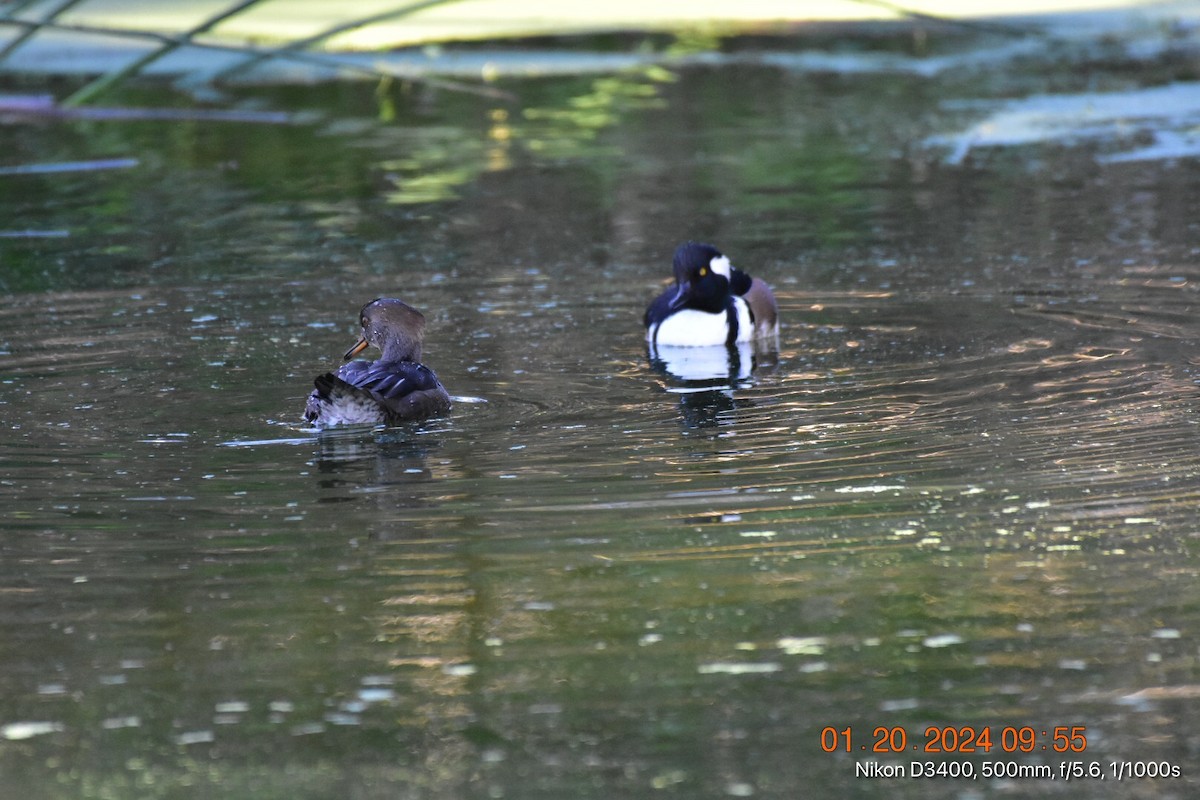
<point x="961" y="492"/>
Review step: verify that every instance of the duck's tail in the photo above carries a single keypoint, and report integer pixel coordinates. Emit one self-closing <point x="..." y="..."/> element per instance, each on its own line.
<point x="335" y="402"/>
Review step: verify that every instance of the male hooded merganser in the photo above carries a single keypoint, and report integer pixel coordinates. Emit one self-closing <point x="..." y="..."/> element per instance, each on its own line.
<point x="711" y="302"/>
<point x="395" y="388"/>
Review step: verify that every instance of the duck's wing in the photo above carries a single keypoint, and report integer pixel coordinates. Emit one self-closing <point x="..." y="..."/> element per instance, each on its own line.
<point x="764" y="311"/>
<point x="404" y="389"/>
<point x="387" y="380"/>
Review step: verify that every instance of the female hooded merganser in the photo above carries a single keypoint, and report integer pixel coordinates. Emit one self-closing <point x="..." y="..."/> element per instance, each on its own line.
<point x="711" y="303"/>
<point x="395" y="388"/>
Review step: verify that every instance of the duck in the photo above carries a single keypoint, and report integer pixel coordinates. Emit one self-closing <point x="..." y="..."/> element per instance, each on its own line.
<point x="711" y="303"/>
<point x="395" y="388"/>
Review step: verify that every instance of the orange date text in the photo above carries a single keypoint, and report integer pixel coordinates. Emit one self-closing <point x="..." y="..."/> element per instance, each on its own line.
<point x="955" y="739"/>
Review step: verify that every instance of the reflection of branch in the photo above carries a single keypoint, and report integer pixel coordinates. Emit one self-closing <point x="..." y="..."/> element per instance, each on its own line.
<point x="171" y="42"/>
<point x="329" y="33"/>
<point x="45" y="106"/>
<point x="19" y="7"/>
<point x="106" y="80"/>
<point x="70" y="166"/>
<point x="993" y="27"/>
<point x="33" y="27"/>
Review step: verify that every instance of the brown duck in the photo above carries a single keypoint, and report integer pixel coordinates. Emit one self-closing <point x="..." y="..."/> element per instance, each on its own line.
<point x="393" y="389"/>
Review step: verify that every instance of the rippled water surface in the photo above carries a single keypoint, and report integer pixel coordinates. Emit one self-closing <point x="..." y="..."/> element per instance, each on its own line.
<point x="963" y="490"/>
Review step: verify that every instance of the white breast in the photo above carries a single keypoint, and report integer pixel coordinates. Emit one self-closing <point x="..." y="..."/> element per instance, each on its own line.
<point x="691" y="328"/>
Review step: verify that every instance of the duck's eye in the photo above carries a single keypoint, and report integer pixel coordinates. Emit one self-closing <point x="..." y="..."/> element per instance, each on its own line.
<point x="703" y="271"/>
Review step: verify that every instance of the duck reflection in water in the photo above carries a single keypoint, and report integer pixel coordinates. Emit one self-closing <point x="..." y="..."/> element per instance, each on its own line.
<point x="389" y="474"/>
<point x="347" y="459"/>
<point x="710" y="329"/>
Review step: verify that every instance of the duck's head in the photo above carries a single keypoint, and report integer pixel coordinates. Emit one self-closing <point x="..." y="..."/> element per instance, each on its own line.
<point x="393" y="326"/>
<point x="702" y="274"/>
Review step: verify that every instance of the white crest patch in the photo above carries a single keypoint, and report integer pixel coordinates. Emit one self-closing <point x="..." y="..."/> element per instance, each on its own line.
<point x="721" y="266"/>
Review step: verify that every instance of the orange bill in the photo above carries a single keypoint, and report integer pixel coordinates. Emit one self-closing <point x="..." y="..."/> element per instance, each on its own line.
<point x="359" y="346"/>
